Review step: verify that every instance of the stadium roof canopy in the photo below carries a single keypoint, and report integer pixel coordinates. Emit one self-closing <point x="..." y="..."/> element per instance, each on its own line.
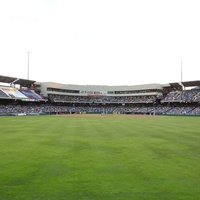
<point x="14" y="80"/>
<point x="172" y="85"/>
<point x="191" y="83"/>
<point x="7" y="79"/>
<point x="24" y="82"/>
<point x="175" y="85"/>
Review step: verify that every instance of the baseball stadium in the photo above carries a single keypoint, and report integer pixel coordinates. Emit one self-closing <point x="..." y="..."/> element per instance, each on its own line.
<point x="95" y="142"/>
<point x="27" y="97"/>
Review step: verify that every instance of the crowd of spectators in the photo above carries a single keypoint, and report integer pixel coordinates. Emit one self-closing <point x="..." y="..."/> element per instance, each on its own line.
<point x="182" y="96"/>
<point x="101" y="99"/>
<point x="181" y="109"/>
<point x="195" y="111"/>
<point x="162" y="109"/>
<point x="184" y="102"/>
<point x="11" y="109"/>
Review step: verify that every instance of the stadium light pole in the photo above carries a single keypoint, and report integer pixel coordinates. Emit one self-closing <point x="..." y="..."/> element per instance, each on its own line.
<point x="182" y="75"/>
<point x="28" y="52"/>
<point x="181" y="71"/>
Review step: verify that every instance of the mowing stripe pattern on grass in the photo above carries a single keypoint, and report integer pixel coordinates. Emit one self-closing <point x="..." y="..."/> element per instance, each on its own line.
<point x="83" y="158"/>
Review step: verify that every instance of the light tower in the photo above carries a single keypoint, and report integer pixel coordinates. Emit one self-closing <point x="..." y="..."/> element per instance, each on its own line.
<point x="28" y="52"/>
<point x="181" y="71"/>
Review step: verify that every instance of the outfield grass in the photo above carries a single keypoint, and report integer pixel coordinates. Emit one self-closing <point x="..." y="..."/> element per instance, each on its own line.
<point x="69" y="158"/>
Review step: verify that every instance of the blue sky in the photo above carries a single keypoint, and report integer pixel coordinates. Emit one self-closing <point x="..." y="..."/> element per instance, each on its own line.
<point x="107" y="42"/>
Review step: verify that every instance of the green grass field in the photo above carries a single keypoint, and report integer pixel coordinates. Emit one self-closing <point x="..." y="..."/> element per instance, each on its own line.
<point x="97" y="158"/>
